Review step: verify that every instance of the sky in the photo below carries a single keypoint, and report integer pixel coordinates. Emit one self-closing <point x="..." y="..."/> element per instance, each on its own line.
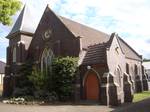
<point x="129" y="18"/>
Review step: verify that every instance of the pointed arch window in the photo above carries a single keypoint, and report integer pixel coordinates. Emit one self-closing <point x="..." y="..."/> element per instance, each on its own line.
<point x="127" y="68"/>
<point x="46" y="59"/>
<point x="14" y="54"/>
<point x="118" y="76"/>
<point x="135" y="69"/>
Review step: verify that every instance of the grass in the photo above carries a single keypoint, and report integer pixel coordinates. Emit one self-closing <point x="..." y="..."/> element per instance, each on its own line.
<point x="1" y="89"/>
<point x="141" y="96"/>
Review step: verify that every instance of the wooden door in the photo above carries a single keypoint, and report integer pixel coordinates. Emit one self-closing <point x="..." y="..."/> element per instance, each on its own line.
<point x="92" y="87"/>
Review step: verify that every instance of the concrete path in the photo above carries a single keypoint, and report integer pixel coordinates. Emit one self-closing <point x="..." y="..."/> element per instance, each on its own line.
<point x="143" y="106"/>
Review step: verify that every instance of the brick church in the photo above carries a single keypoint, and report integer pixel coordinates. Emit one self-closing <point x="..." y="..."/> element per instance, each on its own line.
<point x="110" y="71"/>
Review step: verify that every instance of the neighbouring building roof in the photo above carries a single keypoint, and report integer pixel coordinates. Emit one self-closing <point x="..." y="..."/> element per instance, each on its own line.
<point x="2" y="67"/>
<point x="146" y="64"/>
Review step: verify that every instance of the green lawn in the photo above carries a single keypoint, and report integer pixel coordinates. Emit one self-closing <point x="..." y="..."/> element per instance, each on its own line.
<point x="1" y="89"/>
<point x="141" y="96"/>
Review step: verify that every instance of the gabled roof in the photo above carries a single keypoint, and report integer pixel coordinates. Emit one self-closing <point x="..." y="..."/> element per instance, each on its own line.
<point x="95" y="54"/>
<point x="2" y="67"/>
<point x="26" y="22"/>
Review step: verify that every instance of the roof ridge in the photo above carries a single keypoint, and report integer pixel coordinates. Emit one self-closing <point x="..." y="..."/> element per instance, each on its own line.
<point x="2" y="62"/>
<point x="102" y="44"/>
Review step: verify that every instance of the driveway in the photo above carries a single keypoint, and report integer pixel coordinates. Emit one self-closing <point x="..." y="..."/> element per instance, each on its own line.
<point x="143" y="106"/>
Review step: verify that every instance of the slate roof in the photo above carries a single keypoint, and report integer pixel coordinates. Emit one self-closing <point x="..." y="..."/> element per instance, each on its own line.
<point x="26" y="21"/>
<point x="88" y="35"/>
<point x="2" y="67"/>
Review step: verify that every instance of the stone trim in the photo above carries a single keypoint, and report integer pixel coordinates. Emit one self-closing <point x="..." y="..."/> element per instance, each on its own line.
<point x="86" y="74"/>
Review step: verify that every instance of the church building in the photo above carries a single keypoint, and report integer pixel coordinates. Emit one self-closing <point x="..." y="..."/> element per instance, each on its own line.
<point x="110" y="71"/>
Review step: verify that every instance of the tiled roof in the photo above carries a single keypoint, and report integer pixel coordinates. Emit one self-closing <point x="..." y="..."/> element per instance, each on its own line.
<point x="95" y="54"/>
<point x="2" y="67"/>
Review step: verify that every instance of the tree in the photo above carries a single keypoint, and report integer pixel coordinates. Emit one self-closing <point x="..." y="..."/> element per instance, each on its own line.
<point x="8" y="8"/>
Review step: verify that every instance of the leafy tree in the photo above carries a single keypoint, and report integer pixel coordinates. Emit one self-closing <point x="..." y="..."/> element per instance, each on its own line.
<point x="7" y="9"/>
<point x="146" y="60"/>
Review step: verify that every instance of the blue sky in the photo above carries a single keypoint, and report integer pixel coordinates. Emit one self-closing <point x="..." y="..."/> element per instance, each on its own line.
<point x="129" y="18"/>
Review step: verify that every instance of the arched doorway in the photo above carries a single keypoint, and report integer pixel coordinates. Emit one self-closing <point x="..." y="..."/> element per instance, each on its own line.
<point x="92" y="87"/>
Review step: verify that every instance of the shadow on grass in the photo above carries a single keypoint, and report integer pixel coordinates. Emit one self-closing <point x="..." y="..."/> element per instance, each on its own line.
<point x="141" y="106"/>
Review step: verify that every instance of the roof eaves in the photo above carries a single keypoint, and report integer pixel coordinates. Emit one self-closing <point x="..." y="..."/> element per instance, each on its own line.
<point x="19" y="32"/>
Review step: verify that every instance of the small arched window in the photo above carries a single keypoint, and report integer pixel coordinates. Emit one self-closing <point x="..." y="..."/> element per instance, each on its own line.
<point x="14" y="54"/>
<point x="132" y="72"/>
<point x="46" y="59"/>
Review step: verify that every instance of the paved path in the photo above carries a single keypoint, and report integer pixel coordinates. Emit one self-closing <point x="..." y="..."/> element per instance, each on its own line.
<point x="143" y="106"/>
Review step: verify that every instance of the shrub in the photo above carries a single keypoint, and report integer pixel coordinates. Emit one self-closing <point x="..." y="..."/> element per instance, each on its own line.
<point x="40" y="79"/>
<point x="53" y="85"/>
<point x="64" y="70"/>
<point x="45" y="96"/>
<point x="22" y="92"/>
